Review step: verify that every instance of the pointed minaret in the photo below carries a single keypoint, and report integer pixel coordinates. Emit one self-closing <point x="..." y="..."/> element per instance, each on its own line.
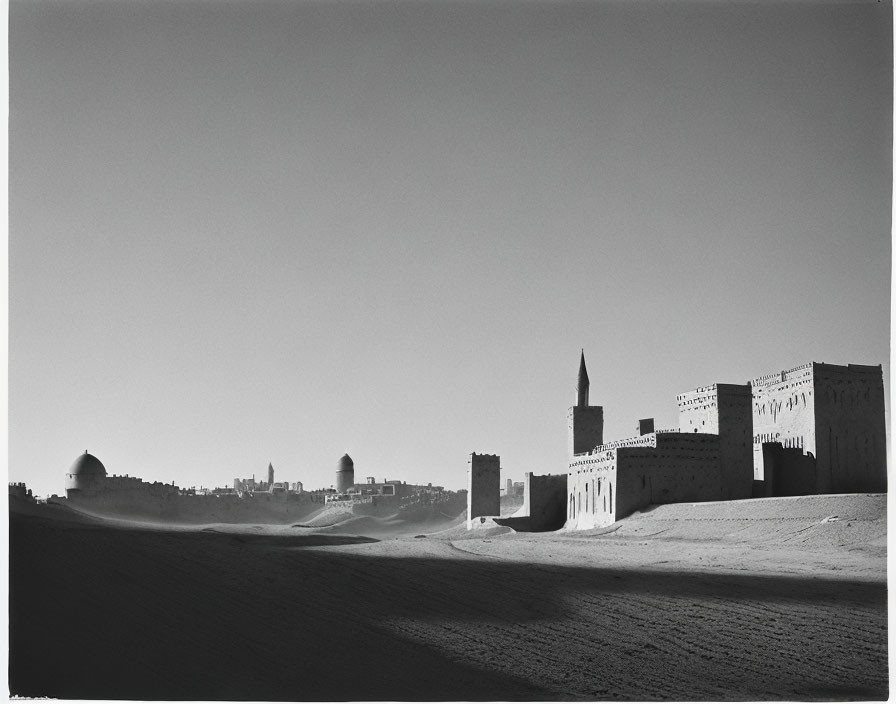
<point x="583" y="384"/>
<point x="584" y="422"/>
<point x="270" y="476"/>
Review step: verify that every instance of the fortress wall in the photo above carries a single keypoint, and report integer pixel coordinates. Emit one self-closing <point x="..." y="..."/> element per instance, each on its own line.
<point x="698" y="411"/>
<point x="545" y="497"/>
<point x="725" y="410"/>
<point x="683" y="467"/>
<point x="834" y="414"/>
<point x="162" y="501"/>
<point x="605" y="487"/>
<point x="129" y="498"/>
<point x="788" y="472"/>
<point x="736" y="440"/>
<point x="591" y="491"/>
<point x="544" y="504"/>
<point x="592" y="486"/>
<point x="783" y="412"/>
<point x="850" y="427"/>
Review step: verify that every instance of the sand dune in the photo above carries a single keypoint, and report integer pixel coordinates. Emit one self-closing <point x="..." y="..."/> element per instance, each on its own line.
<point x="775" y="599"/>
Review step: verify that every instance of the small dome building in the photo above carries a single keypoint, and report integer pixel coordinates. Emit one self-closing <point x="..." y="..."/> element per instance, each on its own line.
<point x="345" y="474"/>
<point x="86" y="474"/>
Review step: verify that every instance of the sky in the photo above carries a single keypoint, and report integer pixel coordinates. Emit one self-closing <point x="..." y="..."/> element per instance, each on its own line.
<point x="244" y="232"/>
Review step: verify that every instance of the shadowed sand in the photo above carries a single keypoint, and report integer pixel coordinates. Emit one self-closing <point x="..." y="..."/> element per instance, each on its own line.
<point x="769" y="601"/>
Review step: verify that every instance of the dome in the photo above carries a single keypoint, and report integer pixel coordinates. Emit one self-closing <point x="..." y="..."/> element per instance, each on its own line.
<point x="345" y="464"/>
<point x="87" y="466"/>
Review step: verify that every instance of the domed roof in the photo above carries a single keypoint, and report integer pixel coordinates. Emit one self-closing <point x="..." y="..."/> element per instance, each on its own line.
<point x="87" y="465"/>
<point x="345" y="463"/>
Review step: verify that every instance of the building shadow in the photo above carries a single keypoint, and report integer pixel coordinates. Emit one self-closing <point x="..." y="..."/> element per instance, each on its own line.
<point x="125" y="614"/>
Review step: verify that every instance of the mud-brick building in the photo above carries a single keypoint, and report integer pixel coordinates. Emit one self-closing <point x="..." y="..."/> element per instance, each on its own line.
<point x="815" y="429"/>
<point x="620" y="477"/>
<point x="820" y="429"/>
<point x="724" y="410"/>
<point x="708" y="458"/>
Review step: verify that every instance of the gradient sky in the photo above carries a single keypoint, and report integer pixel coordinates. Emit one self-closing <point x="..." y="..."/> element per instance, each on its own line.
<point x="244" y="232"/>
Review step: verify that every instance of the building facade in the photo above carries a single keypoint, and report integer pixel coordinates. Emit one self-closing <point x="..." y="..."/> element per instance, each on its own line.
<point x="815" y="429"/>
<point x="833" y="415"/>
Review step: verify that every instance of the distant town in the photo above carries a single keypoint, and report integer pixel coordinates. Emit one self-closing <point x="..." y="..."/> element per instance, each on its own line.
<point x="814" y="429"/>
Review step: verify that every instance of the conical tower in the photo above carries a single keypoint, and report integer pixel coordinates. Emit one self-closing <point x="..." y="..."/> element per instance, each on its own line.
<point x="583" y="384"/>
<point x="585" y="423"/>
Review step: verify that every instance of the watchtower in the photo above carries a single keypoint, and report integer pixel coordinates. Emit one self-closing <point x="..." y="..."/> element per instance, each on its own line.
<point x="585" y="424"/>
<point x="345" y="473"/>
<point x="483" y="487"/>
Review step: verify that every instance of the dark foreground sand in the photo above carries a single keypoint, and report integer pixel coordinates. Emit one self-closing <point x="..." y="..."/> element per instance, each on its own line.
<point x="771" y="599"/>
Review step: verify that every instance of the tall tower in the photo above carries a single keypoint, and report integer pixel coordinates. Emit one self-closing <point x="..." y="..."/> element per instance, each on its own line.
<point x="270" y="476"/>
<point x="483" y="487"/>
<point x="585" y="424"/>
<point x="725" y="410"/>
<point x="583" y="384"/>
<point x="345" y="474"/>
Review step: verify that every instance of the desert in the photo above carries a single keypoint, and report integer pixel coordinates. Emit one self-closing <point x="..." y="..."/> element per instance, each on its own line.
<point x="761" y="599"/>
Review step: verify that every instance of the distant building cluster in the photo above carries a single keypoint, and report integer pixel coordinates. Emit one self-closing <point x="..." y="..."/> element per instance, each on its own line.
<point x="815" y="429"/>
<point x="18" y="490"/>
<point x="88" y="483"/>
<point x="250" y="486"/>
<point x="372" y="491"/>
<point x="512" y="488"/>
<point x="87" y="476"/>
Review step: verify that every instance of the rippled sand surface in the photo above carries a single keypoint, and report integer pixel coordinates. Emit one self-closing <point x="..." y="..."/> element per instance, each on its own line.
<point x="763" y="599"/>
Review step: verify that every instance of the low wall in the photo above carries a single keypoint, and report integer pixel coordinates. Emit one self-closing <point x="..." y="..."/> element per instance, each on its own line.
<point x="544" y="505"/>
<point x="230" y="508"/>
<point x="683" y="467"/>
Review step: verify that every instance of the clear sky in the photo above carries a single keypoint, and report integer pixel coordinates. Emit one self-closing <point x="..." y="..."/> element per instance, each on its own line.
<point x="244" y="232"/>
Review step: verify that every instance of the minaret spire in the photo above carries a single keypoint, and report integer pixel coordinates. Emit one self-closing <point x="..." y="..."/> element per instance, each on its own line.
<point x="583" y="384"/>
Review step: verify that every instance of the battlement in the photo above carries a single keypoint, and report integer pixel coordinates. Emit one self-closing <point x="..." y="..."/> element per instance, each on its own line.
<point x="711" y="391"/>
<point x="646" y="440"/>
<point x="18" y="490"/>
<point x="869" y="370"/>
<point x="658" y="437"/>
<point x="777" y="377"/>
<point x="677" y="437"/>
<point x="809" y="375"/>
